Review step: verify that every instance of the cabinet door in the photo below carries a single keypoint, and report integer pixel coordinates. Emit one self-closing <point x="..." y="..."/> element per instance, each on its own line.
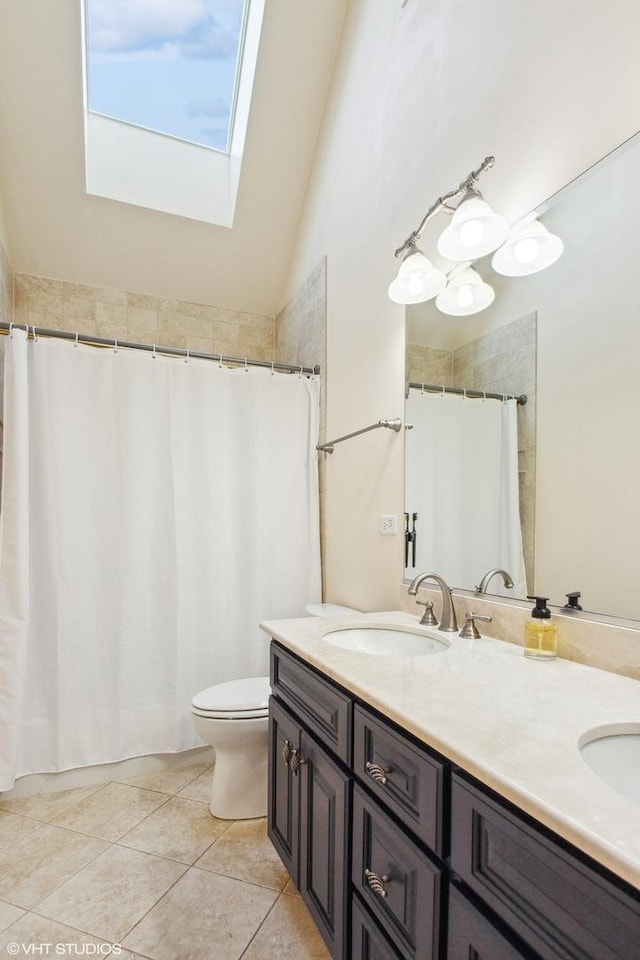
<point x="472" y="937"/>
<point x="398" y="883"/>
<point x="367" y="940"/>
<point x="324" y="867"/>
<point x="284" y="794"/>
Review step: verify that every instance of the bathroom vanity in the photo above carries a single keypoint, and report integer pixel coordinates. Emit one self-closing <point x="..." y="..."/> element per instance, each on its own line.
<point x="406" y="841"/>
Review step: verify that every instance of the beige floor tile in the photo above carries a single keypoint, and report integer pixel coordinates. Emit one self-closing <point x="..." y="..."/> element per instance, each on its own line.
<point x="291" y="888"/>
<point x="108" y="897"/>
<point x="288" y="933"/>
<point x="245" y="852"/>
<point x="48" y="806"/>
<point x="204" y="917"/>
<point x="8" y="915"/>
<point x="13" y="828"/>
<point x="48" y="938"/>
<point x="169" y="781"/>
<point x="111" y="812"/>
<point x="33" y="867"/>
<point x="181" y="829"/>
<point x="200" y="788"/>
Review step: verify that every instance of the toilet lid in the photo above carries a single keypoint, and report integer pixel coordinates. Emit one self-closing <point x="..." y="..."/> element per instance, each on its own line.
<point x="251" y="694"/>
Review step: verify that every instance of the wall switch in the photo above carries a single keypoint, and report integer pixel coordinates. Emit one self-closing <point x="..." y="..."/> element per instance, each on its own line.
<point x="389" y="523"/>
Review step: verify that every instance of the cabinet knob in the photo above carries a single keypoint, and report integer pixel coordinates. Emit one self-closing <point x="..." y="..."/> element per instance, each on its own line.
<point x="286" y="752"/>
<point x="376" y="772"/>
<point x="377" y="882"/>
<point x="295" y="762"/>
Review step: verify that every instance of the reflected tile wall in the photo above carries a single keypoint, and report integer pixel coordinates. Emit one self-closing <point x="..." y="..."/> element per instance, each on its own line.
<point x="97" y="311"/>
<point x="503" y="361"/>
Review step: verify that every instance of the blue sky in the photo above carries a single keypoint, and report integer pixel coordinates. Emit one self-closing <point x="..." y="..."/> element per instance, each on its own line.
<point x="168" y="65"/>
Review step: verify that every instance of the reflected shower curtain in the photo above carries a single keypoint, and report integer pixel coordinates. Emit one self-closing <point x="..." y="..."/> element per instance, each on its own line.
<point x="462" y="481"/>
<point x="153" y="512"/>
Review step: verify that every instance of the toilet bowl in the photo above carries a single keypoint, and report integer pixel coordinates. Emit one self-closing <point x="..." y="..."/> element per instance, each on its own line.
<point x="234" y="718"/>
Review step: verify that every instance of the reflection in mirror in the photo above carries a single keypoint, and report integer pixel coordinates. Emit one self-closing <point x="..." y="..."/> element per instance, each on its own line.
<point x="569" y="338"/>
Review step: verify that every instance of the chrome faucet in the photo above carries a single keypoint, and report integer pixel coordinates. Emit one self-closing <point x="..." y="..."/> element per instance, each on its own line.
<point x="484" y="583"/>
<point x="448" y="621"/>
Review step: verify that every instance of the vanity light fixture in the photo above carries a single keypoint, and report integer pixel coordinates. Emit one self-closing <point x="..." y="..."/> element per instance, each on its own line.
<point x="417" y="280"/>
<point x="529" y="248"/>
<point x="475" y="231"/>
<point x="465" y="293"/>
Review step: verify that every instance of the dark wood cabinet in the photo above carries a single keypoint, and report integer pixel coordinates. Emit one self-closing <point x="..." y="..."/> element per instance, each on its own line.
<point x="472" y="937"/>
<point x="399" y="855"/>
<point x="308" y="810"/>
<point x="396" y="880"/>
<point x="561" y="906"/>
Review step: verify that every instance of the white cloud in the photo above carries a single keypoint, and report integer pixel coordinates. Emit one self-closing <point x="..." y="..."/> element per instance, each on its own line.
<point x="193" y="27"/>
<point x="207" y="108"/>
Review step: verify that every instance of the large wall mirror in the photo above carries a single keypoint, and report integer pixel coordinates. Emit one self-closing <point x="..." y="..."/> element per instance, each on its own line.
<point x="569" y="338"/>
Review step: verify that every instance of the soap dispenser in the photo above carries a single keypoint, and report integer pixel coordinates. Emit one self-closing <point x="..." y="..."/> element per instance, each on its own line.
<point x="540" y="635"/>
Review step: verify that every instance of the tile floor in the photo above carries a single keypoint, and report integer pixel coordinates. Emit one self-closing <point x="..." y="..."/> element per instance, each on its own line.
<point x="140" y="868"/>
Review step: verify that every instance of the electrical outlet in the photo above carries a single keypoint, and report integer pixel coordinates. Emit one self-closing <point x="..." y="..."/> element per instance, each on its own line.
<point x="389" y="523"/>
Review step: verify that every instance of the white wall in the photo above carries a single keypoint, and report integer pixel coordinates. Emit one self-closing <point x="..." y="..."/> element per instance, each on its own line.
<point x="420" y="96"/>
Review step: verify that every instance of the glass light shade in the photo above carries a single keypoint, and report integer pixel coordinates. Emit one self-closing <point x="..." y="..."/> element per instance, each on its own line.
<point x="417" y="280"/>
<point x="528" y="249"/>
<point x="474" y="231"/>
<point x="466" y="293"/>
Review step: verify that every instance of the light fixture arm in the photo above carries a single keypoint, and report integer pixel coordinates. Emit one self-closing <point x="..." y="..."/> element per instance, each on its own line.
<point x="468" y="184"/>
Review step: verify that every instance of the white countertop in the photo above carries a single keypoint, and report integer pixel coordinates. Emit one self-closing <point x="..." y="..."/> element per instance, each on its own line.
<point x="511" y="722"/>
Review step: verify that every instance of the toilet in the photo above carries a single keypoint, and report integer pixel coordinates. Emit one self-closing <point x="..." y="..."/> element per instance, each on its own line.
<point x="234" y="718"/>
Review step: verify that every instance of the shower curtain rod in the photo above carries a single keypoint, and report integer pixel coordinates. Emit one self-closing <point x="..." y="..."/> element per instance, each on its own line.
<point x="462" y="392"/>
<point x="33" y="332"/>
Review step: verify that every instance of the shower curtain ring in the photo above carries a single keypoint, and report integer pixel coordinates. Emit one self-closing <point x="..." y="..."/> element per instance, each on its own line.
<point x="422" y="390"/>
<point x="186" y="359"/>
<point x="272" y="368"/>
<point x="220" y="362"/>
<point x="484" y="395"/>
<point x="443" y="390"/>
<point x="464" y="393"/>
<point x="11" y="325"/>
<point x="35" y="332"/>
<point x="115" y="344"/>
<point x="246" y="366"/>
<point x="76" y="343"/>
<point x="154" y="354"/>
<point x="300" y="374"/>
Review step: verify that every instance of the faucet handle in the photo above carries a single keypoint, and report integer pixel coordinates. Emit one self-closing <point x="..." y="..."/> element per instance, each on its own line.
<point x="470" y="631"/>
<point x="428" y="617"/>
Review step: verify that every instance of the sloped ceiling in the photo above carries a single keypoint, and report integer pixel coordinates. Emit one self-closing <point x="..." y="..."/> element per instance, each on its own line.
<point x="54" y="229"/>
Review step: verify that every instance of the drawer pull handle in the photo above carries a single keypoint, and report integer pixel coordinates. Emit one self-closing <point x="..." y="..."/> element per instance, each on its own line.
<point x="376" y="772"/>
<point x="295" y="762"/>
<point x="286" y="752"/>
<point x="376" y="882"/>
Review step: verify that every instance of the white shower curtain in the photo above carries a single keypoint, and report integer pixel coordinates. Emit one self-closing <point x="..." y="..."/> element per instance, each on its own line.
<point x="462" y="481"/>
<point x="153" y="512"/>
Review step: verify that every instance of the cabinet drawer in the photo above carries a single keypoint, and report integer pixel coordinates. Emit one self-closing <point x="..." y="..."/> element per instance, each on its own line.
<point x="324" y="709"/>
<point x="405" y="897"/>
<point x="561" y="906"/>
<point x="367" y="940"/>
<point x="472" y="936"/>
<point x="408" y="780"/>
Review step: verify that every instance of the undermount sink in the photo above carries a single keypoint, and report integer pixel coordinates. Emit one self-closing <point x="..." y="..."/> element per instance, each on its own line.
<point x="386" y="641"/>
<point x="613" y="754"/>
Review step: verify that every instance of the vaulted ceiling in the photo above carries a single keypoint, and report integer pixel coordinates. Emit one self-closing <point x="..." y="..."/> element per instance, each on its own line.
<point x="54" y="229"/>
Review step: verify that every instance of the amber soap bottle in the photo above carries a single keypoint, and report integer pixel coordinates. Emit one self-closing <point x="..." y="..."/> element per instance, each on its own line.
<point x="540" y="634"/>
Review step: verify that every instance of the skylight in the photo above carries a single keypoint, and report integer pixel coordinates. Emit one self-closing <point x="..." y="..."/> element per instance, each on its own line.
<point x="168" y="87"/>
<point x="166" y="65"/>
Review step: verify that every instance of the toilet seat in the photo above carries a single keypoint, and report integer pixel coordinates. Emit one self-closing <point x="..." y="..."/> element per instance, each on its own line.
<point x="243" y="699"/>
